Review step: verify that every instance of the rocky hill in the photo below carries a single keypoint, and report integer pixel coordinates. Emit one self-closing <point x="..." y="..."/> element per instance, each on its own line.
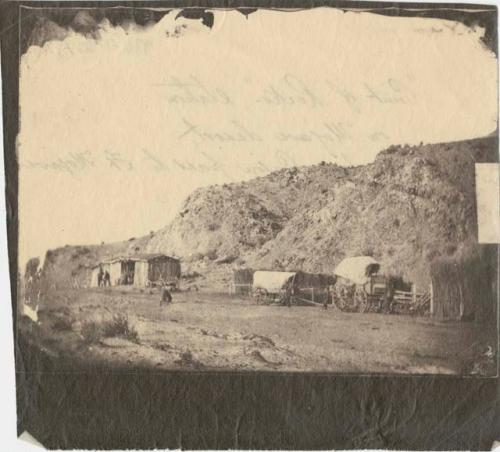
<point x="411" y="205"/>
<point x="72" y="265"/>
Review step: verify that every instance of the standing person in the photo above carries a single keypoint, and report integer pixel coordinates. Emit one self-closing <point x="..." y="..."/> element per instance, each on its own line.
<point x="100" y="275"/>
<point x="107" y="279"/>
<point x="332" y="294"/>
<point x="165" y="295"/>
<point x="287" y="299"/>
<point x="326" y="299"/>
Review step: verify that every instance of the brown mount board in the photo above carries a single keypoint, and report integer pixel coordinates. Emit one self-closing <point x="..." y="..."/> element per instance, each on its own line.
<point x="70" y="403"/>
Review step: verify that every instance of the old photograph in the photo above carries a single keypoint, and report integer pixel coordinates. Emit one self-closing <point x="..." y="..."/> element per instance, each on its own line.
<point x="258" y="190"/>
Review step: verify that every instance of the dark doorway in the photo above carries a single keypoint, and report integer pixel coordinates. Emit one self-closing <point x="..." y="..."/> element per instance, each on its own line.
<point x="127" y="271"/>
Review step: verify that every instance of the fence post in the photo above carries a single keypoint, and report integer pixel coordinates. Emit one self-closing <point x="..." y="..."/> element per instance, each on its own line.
<point x="431" y="290"/>
<point x="313" y="294"/>
<point x="414" y="294"/>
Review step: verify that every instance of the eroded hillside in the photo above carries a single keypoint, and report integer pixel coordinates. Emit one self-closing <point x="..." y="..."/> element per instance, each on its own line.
<point x="409" y="206"/>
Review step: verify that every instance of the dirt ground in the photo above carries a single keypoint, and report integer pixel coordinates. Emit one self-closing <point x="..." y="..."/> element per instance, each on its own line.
<point x="206" y="331"/>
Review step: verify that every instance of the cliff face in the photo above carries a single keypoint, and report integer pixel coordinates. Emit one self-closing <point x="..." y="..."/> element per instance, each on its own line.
<point x="410" y="205"/>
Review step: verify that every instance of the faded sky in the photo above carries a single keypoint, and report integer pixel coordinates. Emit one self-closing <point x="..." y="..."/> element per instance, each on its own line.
<point x="115" y="133"/>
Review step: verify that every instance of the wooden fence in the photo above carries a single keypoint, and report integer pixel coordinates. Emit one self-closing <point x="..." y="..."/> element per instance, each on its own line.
<point x="318" y="295"/>
<point x="414" y="299"/>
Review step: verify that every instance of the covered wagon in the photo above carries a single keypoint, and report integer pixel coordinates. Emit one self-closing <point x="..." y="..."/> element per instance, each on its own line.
<point x="359" y="286"/>
<point x="291" y="287"/>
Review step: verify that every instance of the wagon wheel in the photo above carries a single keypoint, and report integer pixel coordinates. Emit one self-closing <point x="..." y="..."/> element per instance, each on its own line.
<point x="281" y="297"/>
<point x="385" y="303"/>
<point x="259" y="295"/>
<point x="339" y="298"/>
<point x="343" y="298"/>
<point x="371" y="303"/>
<point x="348" y="300"/>
<point x="382" y="303"/>
<point x="375" y="303"/>
<point x="361" y="299"/>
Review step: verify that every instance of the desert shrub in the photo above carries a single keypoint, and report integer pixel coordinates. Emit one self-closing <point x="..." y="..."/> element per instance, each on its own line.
<point x="62" y="324"/>
<point x="119" y="326"/>
<point x="162" y="346"/>
<point x="186" y="356"/>
<point x="91" y="332"/>
<point x="186" y="359"/>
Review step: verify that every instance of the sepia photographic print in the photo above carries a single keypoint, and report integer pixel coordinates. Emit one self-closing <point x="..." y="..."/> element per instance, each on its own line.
<point x="289" y="191"/>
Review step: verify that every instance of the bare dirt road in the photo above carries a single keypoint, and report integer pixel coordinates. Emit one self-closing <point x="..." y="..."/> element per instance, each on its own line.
<point x="205" y="331"/>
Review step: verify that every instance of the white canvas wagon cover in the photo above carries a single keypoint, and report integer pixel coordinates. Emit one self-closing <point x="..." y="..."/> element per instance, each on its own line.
<point x="357" y="269"/>
<point x="271" y="281"/>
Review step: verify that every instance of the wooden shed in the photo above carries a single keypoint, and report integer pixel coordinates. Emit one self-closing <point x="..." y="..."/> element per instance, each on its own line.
<point x="112" y="266"/>
<point x="242" y="281"/>
<point x="142" y="270"/>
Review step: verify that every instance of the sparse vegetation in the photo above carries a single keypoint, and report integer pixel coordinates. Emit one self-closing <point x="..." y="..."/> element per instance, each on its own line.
<point x="227" y="338"/>
<point x="62" y="324"/>
<point x="186" y="359"/>
<point x="162" y="346"/>
<point x="118" y="326"/>
<point x="91" y="332"/>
